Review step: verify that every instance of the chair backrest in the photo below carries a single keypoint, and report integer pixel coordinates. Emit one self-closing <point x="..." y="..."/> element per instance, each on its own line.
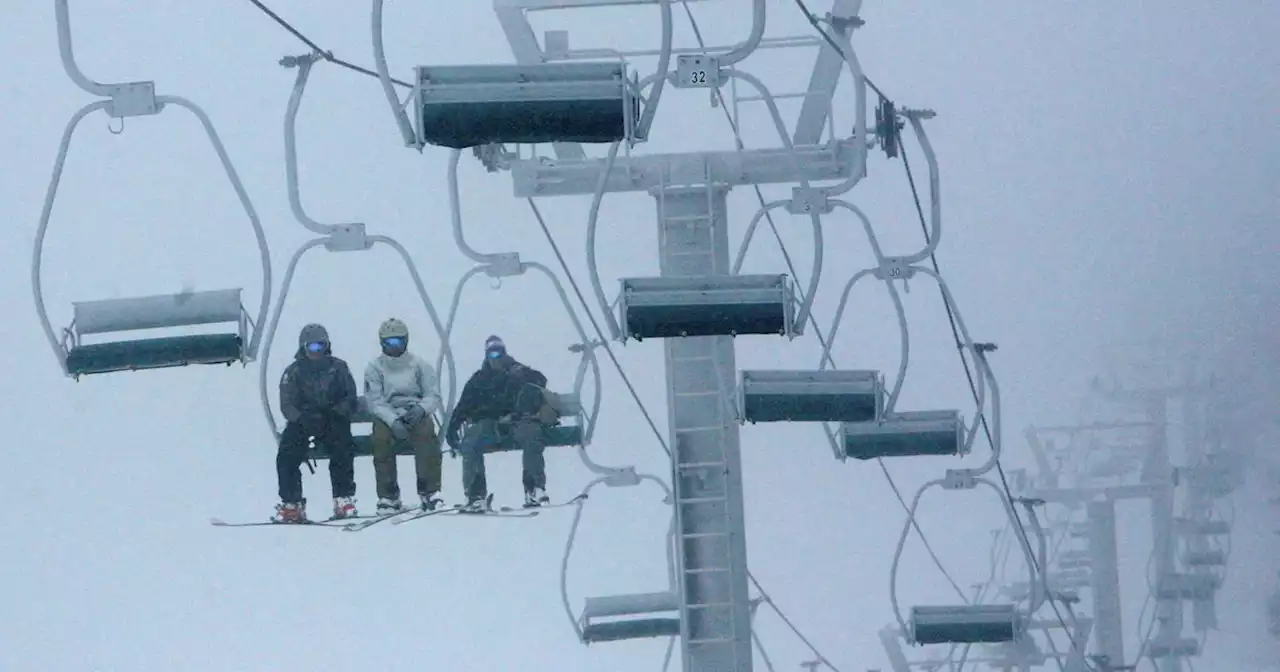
<point x="157" y="312"/>
<point x="443" y="84"/>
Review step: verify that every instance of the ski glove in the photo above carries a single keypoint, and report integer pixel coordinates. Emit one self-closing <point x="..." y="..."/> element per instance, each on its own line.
<point x="400" y="430"/>
<point x="451" y="437"/>
<point x="414" y="416"/>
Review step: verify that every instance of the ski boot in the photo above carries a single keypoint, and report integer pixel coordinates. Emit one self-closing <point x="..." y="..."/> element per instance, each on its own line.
<point x="344" y="507"/>
<point x="431" y="501"/>
<point x="478" y="504"/>
<point x="389" y="505"/>
<point x="290" y="512"/>
<point x="535" y="498"/>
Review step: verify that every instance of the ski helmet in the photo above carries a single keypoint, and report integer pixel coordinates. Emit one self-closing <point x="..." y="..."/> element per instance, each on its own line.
<point x="494" y="347"/>
<point x="393" y="328"/>
<point x="314" y="338"/>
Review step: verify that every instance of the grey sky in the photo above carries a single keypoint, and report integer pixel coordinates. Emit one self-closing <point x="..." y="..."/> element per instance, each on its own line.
<point x="1108" y="172"/>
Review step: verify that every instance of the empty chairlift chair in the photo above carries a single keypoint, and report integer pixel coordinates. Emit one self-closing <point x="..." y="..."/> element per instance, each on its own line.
<point x="1210" y="558"/>
<point x="968" y="624"/>
<point x="1185" y="586"/>
<point x="162" y="311"/>
<point x="473" y="105"/>
<point x="621" y="617"/>
<point x="718" y="305"/>
<point x="1183" y="647"/>
<point x="810" y="396"/>
<point x="904" y="434"/>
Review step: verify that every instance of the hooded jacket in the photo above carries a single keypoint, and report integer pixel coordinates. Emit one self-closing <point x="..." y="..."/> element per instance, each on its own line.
<point x="324" y="385"/>
<point x="392" y="385"/>
<point x="491" y="393"/>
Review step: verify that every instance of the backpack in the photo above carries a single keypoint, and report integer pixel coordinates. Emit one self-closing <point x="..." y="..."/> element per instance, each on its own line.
<point x="539" y="403"/>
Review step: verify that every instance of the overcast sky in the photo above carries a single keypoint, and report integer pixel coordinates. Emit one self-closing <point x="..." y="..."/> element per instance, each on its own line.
<point x="1108" y="172"/>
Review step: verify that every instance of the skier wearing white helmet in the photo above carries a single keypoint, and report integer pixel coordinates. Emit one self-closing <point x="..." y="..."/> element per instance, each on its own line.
<point x="402" y="391"/>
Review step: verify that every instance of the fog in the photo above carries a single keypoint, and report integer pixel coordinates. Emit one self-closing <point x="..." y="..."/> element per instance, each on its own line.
<point x="1108" y="211"/>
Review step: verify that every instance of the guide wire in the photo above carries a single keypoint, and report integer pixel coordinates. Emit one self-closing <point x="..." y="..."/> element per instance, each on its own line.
<point x="325" y="54"/>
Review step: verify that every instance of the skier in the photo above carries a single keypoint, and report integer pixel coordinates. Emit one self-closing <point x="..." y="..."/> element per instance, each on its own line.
<point x="318" y="397"/>
<point x="504" y="403"/>
<point x="402" y="392"/>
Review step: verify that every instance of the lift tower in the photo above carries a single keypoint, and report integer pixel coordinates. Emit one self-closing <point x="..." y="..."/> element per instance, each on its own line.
<point x="698" y="303"/>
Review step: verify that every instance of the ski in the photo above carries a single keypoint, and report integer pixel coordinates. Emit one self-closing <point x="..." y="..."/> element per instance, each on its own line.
<point x="461" y="510"/>
<point x="557" y="505"/>
<point x="413" y="513"/>
<point x="529" y="511"/>
<point x="328" y="522"/>
<point x="503" y="512"/>
<point x="491" y="511"/>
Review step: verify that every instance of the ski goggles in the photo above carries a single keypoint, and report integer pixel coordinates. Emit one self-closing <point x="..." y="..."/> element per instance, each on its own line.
<point x="394" y="341"/>
<point x="316" y="346"/>
<point x="494" y="353"/>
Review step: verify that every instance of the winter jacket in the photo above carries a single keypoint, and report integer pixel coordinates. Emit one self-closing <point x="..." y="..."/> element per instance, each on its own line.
<point x="491" y="393"/>
<point x="324" y="385"/>
<point x="394" y="384"/>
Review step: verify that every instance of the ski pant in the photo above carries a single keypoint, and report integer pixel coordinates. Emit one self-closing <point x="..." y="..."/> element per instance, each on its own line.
<point x="490" y="435"/>
<point x="335" y="437"/>
<point x="426" y="458"/>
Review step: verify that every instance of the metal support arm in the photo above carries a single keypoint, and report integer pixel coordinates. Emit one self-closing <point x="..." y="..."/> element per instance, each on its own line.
<point x="303" y="63"/>
<point x="384" y="78"/>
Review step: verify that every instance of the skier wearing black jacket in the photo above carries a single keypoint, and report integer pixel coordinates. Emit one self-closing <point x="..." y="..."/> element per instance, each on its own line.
<point x="318" y="397"/>
<point x="501" y="404"/>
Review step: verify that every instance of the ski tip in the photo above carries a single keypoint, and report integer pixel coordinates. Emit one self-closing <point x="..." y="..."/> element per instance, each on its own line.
<point x="217" y="522"/>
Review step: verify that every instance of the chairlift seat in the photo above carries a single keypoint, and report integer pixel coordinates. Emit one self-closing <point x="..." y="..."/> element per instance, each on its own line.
<point x="463" y="106"/>
<point x="562" y="435"/>
<point x="567" y="405"/>
<point x="810" y="396"/>
<point x="622" y="617"/>
<point x="363" y="443"/>
<point x="904" y="434"/>
<point x="968" y="624"/>
<point x="1075" y="563"/>
<point x="1212" y="558"/>
<point x="707" y="305"/>
<point x="1208" y="528"/>
<point x="1182" y="586"/>
<point x="1072" y="578"/>
<point x="1185" y="647"/>
<point x="162" y="311"/>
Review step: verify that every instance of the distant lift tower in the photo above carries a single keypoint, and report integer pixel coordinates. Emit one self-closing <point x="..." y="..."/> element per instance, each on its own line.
<point x="697" y="304"/>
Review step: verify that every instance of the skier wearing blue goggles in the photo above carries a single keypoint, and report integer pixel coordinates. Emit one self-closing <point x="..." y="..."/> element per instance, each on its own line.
<point x="402" y="391"/>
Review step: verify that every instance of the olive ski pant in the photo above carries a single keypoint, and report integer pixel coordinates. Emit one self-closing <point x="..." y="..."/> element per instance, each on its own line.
<point x="489" y="436"/>
<point x="334" y="439"/>
<point x="426" y="458"/>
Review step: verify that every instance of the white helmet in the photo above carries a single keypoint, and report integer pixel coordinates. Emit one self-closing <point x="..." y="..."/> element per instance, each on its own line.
<point x="391" y="328"/>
